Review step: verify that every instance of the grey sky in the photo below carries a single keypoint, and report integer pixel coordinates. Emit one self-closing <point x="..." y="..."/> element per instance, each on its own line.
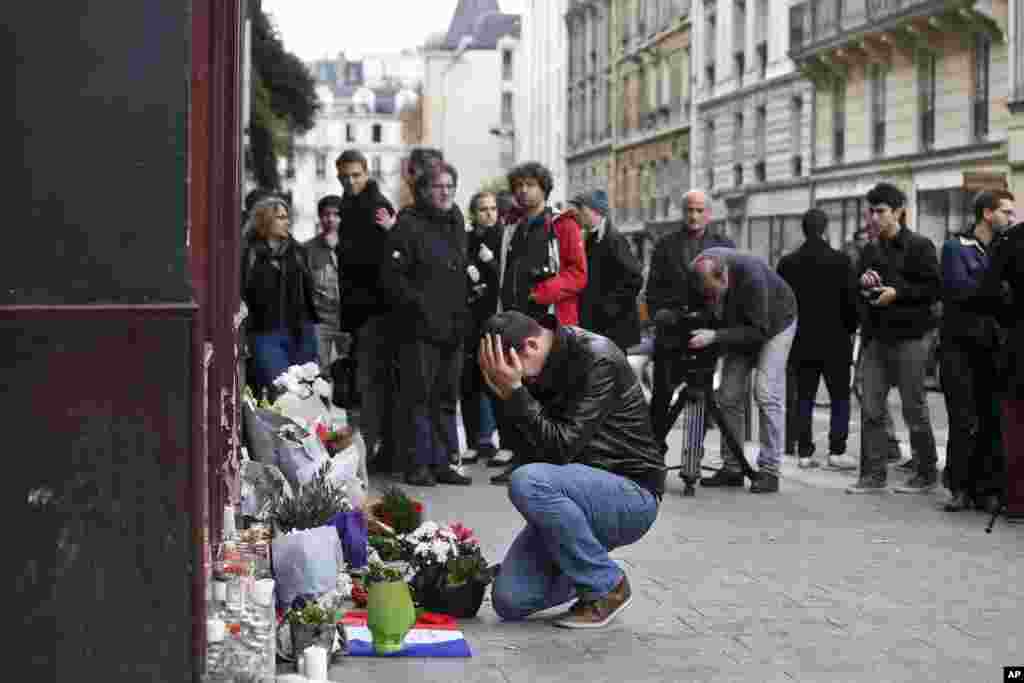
<point x="314" y="29"/>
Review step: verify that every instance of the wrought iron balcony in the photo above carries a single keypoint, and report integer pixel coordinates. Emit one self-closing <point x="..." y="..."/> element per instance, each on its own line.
<point x="835" y="32"/>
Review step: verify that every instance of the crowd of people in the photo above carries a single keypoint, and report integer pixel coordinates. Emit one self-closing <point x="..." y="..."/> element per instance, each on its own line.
<point x="399" y="299"/>
<point x="524" y="316"/>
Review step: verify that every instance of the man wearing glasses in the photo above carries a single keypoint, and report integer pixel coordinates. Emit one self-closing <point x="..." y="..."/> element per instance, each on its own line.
<point x="427" y="277"/>
<point x="900" y="280"/>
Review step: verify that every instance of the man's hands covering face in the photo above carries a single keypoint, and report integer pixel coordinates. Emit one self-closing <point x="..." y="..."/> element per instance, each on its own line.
<point x="503" y="374"/>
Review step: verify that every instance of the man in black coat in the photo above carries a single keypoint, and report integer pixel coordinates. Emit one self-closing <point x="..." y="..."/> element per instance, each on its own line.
<point x="366" y="217"/>
<point x="614" y="276"/>
<point x="671" y="288"/>
<point x="426" y="277"/>
<point x="825" y="286"/>
<point x="900" y="279"/>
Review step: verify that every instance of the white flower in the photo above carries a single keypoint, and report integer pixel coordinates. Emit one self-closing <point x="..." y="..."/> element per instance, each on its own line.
<point x="310" y="371"/>
<point x="486" y="255"/>
<point x="426" y="530"/>
<point x="474" y="273"/>
<point x="322" y="388"/>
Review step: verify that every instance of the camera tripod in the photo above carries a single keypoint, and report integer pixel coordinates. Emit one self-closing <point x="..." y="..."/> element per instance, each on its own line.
<point x="694" y="404"/>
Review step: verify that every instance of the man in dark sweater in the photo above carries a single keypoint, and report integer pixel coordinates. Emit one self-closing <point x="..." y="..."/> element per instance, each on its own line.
<point x="900" y="279"/>
<point x="825" y="286"/>
<point x="366" y="217"/>
<point x="757" y="314"/>
<point x="596" y="477"/>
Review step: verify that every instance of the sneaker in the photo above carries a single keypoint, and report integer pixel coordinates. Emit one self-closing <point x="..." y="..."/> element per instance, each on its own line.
<point x="501" y="458"/>
<point x="807" y="463"/>
<point x="600" y="612"/>
<point x="469" y="456"/>
<point x="868" y="487"/>
<point x="842" y="462"/>
<point x="917" y="484"/>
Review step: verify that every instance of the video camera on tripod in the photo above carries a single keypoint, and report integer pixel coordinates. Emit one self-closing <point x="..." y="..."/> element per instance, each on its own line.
<point x="693" y="367"/>
<point x="692" y="372"/>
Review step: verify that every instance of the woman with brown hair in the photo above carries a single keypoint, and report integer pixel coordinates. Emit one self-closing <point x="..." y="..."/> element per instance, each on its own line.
<point x="277" y="288"/>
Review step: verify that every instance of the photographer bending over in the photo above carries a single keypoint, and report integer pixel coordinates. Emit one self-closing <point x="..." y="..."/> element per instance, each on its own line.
<point x="595" y="476"/>
<point x="757" y="310"/>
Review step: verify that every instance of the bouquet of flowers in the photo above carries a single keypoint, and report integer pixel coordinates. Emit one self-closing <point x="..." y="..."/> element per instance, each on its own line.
<point x="335" y="439"/>
<point x="304" y="381"/>
<point x="450" y="570"/>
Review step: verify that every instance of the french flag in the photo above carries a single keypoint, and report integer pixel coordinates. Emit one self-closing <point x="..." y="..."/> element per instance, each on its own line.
<point x="433" y="635"/>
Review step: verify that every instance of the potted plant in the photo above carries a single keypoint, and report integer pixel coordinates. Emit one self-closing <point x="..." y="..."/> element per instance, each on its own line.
<point x="451" y="572"/>
<point x="390" y="611"/>
<point x="310" y="624"/>
<point x="396" y="511"/>
<point x="313" y="506"/>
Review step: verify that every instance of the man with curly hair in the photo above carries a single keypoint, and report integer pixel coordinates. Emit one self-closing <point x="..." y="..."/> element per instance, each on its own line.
<point x="542" y="266"/>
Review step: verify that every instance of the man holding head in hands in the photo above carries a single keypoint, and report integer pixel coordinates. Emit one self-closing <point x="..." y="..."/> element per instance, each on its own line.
<point x="594" y="474"/>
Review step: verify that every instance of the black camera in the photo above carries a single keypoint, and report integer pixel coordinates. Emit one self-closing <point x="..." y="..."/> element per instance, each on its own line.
<point x="477" y="292"/>
<point x="873" y="293"/>
<point x="542" y="273"/>
<point x="674" y="328"/>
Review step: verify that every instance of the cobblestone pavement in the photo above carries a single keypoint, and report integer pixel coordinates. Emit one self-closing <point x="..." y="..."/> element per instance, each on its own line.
<point x="807" y="585"/>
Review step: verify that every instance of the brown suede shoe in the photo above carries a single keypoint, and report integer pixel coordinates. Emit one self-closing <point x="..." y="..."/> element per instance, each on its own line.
<point x="598" y="613"/>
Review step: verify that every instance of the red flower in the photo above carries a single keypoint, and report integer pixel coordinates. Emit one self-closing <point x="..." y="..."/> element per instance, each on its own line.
<point x="463" y="534"/>
<point x="418" y="507"/>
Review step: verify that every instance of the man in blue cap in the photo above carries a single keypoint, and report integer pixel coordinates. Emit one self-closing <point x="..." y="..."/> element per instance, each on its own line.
<point x="614" y="276"/>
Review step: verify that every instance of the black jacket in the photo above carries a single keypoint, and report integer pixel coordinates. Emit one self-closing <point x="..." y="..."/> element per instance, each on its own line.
<point x="826" y="290"/>
<point x="909" y="264"/>
<point x="1001" y="293"/>
<point x="277" y="289"/>
<point x="587" y="407"/>
<point x="614" y="278"/>
<point x="483" y="294"/>
<point x="362" y="249"/>
<point x="669" y="284"/>
<point x="426" y="276"/>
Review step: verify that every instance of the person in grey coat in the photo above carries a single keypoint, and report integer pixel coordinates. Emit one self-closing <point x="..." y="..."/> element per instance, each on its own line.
<point x="757" y="314"/>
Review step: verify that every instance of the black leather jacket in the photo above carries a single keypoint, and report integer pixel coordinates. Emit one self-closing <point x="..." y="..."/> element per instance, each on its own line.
<point x="587" y="408"/>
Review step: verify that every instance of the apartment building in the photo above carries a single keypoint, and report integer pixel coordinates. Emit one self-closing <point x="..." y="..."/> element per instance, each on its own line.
<point x="588" y="96"/>
<point x="1015" y="146"/>
<point x="752" y="128"/>
<point x="915" y="92"/>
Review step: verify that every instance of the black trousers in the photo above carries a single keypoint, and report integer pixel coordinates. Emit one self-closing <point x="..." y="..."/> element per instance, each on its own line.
<point x="975" y="462"/>
<point x="430" y="376"/>
<point x="836" y="371"/>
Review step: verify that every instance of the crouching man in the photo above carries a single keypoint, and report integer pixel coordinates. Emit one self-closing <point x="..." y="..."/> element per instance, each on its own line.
<point x="594" y="475"/>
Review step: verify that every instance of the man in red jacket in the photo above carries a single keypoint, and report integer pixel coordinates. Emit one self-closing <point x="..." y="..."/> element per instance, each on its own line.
<point x="542" y="267"/>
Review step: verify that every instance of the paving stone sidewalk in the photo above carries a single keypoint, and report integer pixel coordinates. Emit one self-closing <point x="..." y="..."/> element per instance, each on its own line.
<point x="807" y="585"/>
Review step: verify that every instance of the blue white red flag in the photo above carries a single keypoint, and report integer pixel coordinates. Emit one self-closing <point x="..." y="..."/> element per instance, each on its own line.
<point x="433" y="635"/>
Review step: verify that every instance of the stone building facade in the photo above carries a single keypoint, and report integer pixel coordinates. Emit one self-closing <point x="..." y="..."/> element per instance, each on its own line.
<point x="752" y="133"/>
<point x="915" y="93"/>
<point x="629" y="107"/>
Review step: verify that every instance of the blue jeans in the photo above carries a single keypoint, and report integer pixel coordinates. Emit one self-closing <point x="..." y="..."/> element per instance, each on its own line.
<point x="488" y="422"/>
<point x="575" y="514"/>
<point x="273" y="352"/>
